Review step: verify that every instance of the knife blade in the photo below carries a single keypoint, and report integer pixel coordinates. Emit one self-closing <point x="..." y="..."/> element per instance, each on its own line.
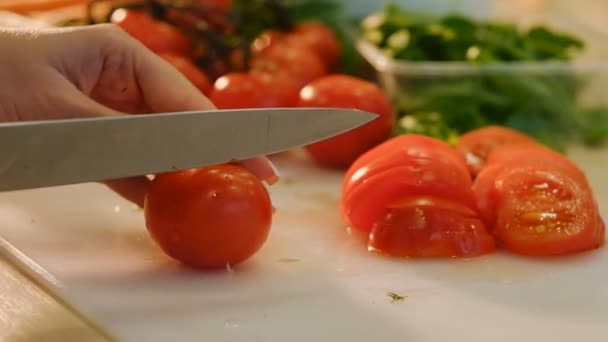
<point x="60" y="152"/>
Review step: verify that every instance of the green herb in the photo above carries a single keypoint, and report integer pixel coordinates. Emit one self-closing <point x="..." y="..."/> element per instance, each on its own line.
<point x="395" y="297"/>
<point x="540" y="102"/>
<point x="417" y="37"/>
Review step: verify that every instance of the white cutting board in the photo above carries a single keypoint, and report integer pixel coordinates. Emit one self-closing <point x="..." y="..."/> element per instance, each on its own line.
<point x="92" y="248"/>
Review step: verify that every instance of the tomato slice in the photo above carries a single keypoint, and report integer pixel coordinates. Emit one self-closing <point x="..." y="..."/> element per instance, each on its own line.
<point x="413" y="195"/>
<point x="557" y="217"/>
<point x="431" y="201"/>
<point x="365" y="204"/>
<point x="476" y="146"/>
<point x="538" y="203"/>
<point x="417" y="230"/>
<point x="485" y="194"/>
<point x="537" y="155"/>
<point x="408" y="149"/>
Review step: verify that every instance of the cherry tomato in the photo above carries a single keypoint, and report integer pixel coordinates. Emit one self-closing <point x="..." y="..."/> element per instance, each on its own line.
<point x="412" y="194"/>
<point x="254" y="90"/>
<point x="218" y="4"/>
<point x="208" y="217"/>
<point x="156" y="35"/>
<point x="538" y="203"/>
<point x="317" y="37"/>
<point x="477" y="145"/>
<point x="267" y="40"/>
<point x="185" y="66"/>
<point x="311" y="36"/>
<point x="343" y="91"/>
<point x="302" y="65"/>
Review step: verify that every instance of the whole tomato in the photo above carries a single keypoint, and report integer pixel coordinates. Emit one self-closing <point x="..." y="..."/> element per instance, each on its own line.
<point x="311" y="36"/>
<point x="255" y="89"/>
<point x="317" y="37"/>
<point x="267" y="40"/>
<point x="343" y="91"/>
<point x="302" y="65"/>
<point x="185" y="66"/>
<point x="208" y="217"/>
<point x="218" y="4"/>
<point x="156" y="35"/>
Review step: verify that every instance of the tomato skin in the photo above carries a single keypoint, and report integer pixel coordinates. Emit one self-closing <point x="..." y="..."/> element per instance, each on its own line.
<point x="364" y="204"/>
<point x="208" y="217"/>
<point x="317" y="37"/>
<point x="279" y="88"/>
<point x="266" y="40"/>
<point x="156" y="35"/>
<point x="397" y="152"/>
<point x="403" y="167"/>
<point x="302" y="65"/>
<point x="538" y="203"/>
<point x="310" y="35"/>
<point x="476" y="146"/>
<point x="412" y="194"/>
<point x="236" y="90"/>
<point x="535" y="155"/>
<point x="420" y="232"/>
<point x="185" y="66"/>
<point x="217" y="4"/>
<point x="343" y="91"/>
<point x="256" y="89"/>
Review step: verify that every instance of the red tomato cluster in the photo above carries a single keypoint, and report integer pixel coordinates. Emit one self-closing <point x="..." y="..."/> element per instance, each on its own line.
<point x="415" y="196"/>
<point x="286" y="69"/>
<point x="285" y="61"/>
<point x="166" y="40"/>
<point x="294" y="69"/>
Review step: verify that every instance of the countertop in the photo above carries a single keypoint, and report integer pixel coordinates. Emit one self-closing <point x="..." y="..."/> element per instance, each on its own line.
<point x="28" y="313"/>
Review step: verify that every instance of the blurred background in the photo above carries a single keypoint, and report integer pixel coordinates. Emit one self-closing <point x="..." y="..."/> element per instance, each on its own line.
<point x="588" y="18"/>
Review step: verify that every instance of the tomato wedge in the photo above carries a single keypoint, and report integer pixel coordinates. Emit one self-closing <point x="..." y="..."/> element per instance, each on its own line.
<point x="399" y="151"/>
<point x="422" y="231"/>
<point x="538" y="203"/>
<point x="476" y="146"/>
<point x="413" y="195"/>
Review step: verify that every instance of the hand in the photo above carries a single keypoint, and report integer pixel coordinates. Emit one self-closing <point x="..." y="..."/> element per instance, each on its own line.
<point x="89" y="71"/>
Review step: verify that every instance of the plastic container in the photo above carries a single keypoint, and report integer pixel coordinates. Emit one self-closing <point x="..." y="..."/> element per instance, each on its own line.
<point x="559" y="96"/>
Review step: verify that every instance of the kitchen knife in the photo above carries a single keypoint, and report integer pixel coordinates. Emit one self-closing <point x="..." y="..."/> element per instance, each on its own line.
<point x="38" y="154"/>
